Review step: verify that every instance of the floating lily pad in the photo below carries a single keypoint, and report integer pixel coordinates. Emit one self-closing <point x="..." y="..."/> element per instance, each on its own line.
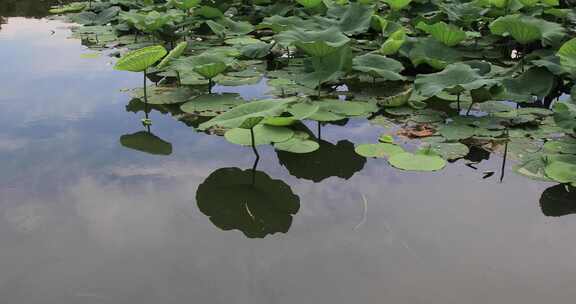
<point x="450" y="151"/>
<point x="212" y="104"/>
<point x="300" y="143"/>
<point x="263" y="135"/>
<point x="419" y="161"/>
<point x="562" y="172"/>
<point x="380" y="150"/>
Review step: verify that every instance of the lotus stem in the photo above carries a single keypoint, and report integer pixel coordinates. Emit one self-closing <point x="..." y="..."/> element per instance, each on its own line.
<point x="319" y="131"/>
<point x="458" y="101"/>
<point x="179" y="80"/>
<point x="469" y="109"/>
<point x="145" y="95"/>
<point x="253" y="142"/>
<point x="210" y="85"/>
<point x="502" y="171"/>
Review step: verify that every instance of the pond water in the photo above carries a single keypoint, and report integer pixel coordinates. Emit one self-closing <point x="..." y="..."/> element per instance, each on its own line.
<point x="83" y="219"/>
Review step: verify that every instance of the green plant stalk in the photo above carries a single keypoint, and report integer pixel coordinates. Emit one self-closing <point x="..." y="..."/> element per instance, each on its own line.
<point x="469" y="109"/>
<point x="210" y="84"/>
<point x="319" y="131"/>
<point x="253" y="142"/>
<point x="145" y="96"/>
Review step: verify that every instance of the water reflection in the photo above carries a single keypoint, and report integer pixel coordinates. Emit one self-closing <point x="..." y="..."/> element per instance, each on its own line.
<point x="558" y="201"/>
<point x="27" y="8"/>
<point x="330" y="160"/>
<point x="147" y="142"/>
<point x="247" y="200"/>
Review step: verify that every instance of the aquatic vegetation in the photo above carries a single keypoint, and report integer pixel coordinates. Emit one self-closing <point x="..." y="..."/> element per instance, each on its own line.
<point x="247" y="200"/>
<point x="409" y="66"/>
<point x="140" y="61"/>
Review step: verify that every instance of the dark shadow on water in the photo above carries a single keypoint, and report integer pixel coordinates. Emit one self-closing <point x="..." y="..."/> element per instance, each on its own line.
<point x="147" y="142"/>
<point x="247" y="200"/>
<point x="558" y="201"/>
<point x="27" y="8"/>
<point x="330" y="160"/>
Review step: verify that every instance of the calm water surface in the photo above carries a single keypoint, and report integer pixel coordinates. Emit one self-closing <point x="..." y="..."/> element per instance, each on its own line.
<point x="85" y="220"/>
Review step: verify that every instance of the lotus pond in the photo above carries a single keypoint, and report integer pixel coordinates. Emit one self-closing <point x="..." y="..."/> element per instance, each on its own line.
<point x="287" y="151"/>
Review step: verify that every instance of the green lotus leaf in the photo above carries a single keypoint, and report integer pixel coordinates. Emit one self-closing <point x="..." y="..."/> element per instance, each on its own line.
<point x="248" y="201"/>
<point x="329" y="68"/>
<point x="303" y="110"/>
<point x="262" y="108"/>
<point x="280" y="121"/>
<point x="228" y="27"/>
<point x="567" y="54"/>
<point x="533" y="165"/>
<point x="166" y="95"/>
<point x="397" y="4"/>
<point x="300" y="143"/>
<point x="561" y="172"/>
<point x="565" y="116"/>
<point x="456" y="77"/>
<point x="208" y="65"/>
<point x="561" y="146"/>
<point x="394" y="42"/>
<point x="395" y="101"/>
<point x="558" y="201"/>
<point x="422" y="160"/>
<point x="455" y="131"/>
<point x="187" y="4"/>
<point x="212" y="104"/>
<point x="534" y="82"/>
<point x="332" y="110"/>
<point x="314" y="43"/>
<point x="102" y="18"/>
<point x="380" y="150"/>
<point x="310" y="3"/>
<point x="251" y="122"/>
<point x="209" y="12"/>
<point x="449" y="151"/>
<point x="526" y="29"/>
<point x="433" y="53"/>
<point x="379" y="66"/>
<point x="146" y="142"/>
<point x="140" y="60"/>
<point x="68" y="8"/>
<point x="281" y="23"/>
<point x="355" y="19"/>
<point x="263" y="135"/>
<point x="173" y="54"/>
<point x="211" y="70"/>
<point x="448" y="34"/>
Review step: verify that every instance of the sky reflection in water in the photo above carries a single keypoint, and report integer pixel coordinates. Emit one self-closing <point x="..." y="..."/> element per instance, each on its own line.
<point x="84" y="219"/>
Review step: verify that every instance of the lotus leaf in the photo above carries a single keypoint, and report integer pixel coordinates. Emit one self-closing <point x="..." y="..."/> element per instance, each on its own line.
<point x="448" y="34"/>
<point x="526" y="29"/>
<point x="379" y="66"/>
<point x="263" y="135"/>
<point x="561" y="172"/>
<point x="212" y="104"/>
<point x="456" y="77"/>
<point x="380" y="150"/>
<point x="262" y="108"/>
<point x="422" y="160"/>
<point x="140" y="60"/>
